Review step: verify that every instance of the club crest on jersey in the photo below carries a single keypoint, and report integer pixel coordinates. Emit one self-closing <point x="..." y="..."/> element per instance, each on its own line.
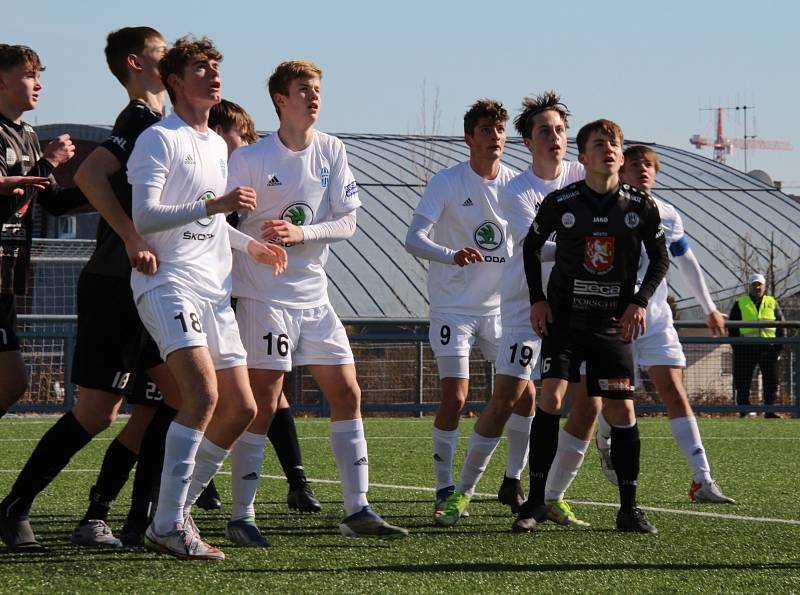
<point x="206" y="221"/>
<point x="298" y="213"/>
<point x="598" y="254"/>
<point x="567" y="220"/>
<point x="324" y="176"/>
<point x="632" y="220"/>
<point x="488" y="236"/>
<point x="11" y="157"/>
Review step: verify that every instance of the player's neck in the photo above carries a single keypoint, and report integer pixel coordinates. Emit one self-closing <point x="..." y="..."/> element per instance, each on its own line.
<point x="601" y="183"/>
<point x="196" y="116"/>
<point x="546" y="169"/>
<point x="152" y="98"/>
<point x="295" y="138"/>
<point x="10" y="113"/>
<point x="485" y="168"/>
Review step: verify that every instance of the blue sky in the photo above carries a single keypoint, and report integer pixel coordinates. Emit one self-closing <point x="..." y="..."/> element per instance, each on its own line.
<point x="647" y="65"/>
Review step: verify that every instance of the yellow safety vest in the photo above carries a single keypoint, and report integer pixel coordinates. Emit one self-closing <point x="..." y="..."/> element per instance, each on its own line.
<point x="766" y="312"/>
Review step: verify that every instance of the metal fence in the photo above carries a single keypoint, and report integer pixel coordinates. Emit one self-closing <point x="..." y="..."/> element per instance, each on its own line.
<point x="398" y="375"/>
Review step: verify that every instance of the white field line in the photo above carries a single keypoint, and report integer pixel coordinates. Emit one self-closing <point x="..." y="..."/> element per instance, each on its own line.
<point x="391" y="486"/>
<point x="465" y="438"/>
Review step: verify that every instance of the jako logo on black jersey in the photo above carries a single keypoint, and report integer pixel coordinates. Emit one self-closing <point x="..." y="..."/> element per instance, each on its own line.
<point x="206" y="221"/>
<point x="488" y="236"/>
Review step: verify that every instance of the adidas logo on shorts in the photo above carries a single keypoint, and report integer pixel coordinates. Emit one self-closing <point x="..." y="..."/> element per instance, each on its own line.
<point x="274" y="181"/>
<point x="467" y="203"/>
<point x="361" y="461"/>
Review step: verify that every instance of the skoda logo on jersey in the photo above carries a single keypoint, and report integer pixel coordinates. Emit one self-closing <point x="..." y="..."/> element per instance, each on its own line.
<point x="324" y="175"/>
<point x="488" y="236"/>
<point x="631" y="220"/>
<point x="298" y="213"/>
<point x="206" y="221"/>
<point x="567" y="220"/>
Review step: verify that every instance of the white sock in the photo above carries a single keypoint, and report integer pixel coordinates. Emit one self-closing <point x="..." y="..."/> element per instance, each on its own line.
<point x="687" y="435"/>
<point x="603" y="427"/>
<point x="567" y="462"/>
<point x="247" y="457"/>
<point x="479" y="453"/>
<point x="208" y="461"/>
<point x="444" y="451"/>
<point x="180" y="450"/>
<point x="350" y="451"/>
<point x="518" y="433"/>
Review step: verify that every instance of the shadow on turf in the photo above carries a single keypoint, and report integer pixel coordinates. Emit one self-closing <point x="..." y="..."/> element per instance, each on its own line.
<point x="498" y="567"/>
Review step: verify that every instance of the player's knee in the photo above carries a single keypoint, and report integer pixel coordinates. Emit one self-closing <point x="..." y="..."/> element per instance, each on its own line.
<point x="349" y="394"/>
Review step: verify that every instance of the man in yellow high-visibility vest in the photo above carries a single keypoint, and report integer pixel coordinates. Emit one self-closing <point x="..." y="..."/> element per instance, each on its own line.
<point x="756" y="306"/>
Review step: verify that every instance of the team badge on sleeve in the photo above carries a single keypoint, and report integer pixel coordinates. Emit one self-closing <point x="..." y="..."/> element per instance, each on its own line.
<point x="598" y="254"/>
<point x="631" y="220"/>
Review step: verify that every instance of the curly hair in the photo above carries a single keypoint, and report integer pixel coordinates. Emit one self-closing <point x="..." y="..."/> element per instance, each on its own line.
<point x="181" y="54"/>
<point x="19" y="55"/>
<point x="481" y="109"/>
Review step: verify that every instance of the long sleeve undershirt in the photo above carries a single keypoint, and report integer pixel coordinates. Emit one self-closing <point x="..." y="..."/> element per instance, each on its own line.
<point x="341" y="228"/>
<point x="150" y="216"/>
<point x="689" y="269"/>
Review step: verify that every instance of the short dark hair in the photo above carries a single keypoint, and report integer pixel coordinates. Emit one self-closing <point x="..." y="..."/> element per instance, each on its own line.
<point x="285" y="73"/>
<point x="604" y="126"/>
<point x="641" y="152"/>
<point x="123" y="42"/>
<point x="531" y="106"/>
<point x="228" y="114"/>
<point x="180" y="55"/>
<point x="483" y="108"/>
<point x="12" y="56"/>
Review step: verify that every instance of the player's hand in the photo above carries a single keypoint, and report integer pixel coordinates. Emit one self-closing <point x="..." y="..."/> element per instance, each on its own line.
<point x="279" y="231"/>
<point x="59" y="150"/>
<point x="241" y="198"/>
<point x="268" y="254"/>
<point x="632" y="322"/>
<point x="541" y="316"/>
<point x="15" y="185"/>
<point x="466" y="256"/>
<point x="716" y="322"/>
<point x="140" y="255"/>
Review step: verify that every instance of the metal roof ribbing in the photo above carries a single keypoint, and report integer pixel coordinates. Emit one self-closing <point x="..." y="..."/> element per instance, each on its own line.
<point x="373" y="276"/>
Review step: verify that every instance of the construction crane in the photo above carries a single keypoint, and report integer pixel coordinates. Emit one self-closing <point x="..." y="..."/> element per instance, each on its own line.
<point x="723" y="146"/>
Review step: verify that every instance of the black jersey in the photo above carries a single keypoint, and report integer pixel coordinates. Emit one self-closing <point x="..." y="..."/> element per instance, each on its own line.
<point x="109" y="257"/>
<point x="598" y="243"/>
<point x="21" y="155"/>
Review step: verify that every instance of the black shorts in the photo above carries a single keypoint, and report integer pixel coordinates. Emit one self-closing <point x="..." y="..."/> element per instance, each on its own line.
<point x="8" y="323"/>
<point x="609" y="360"/>
<point x="112" y="346"/>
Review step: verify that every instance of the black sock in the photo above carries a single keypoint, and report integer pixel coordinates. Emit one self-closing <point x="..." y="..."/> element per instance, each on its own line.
<point x="625" y="450"/>
<point x="283" y="436"/>
<point x="50" y="456"/>
<point x="148" y="470"/>
<point x="2" y="412"/>
<point x="543" y="445"/>
<point x="117" y="465"/>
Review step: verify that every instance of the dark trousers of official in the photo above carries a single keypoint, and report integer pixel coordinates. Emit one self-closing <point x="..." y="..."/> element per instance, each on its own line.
<point x="745" y="360"/>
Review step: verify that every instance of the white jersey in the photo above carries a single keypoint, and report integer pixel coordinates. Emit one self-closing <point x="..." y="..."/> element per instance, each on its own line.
<point x="520" y="201"/>
<point x="465" y="212"/>
<point x="658" y="309"/>
<point x="304" y="187"/>
<point x="186" y="165"/>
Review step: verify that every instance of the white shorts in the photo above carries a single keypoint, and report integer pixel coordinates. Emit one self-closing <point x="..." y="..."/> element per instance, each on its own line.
<point x="659" y="347"/>
<point x="518" y="354"/>
<point x="177" y="318"/>
<point x="277" y="338"/>
<point x="453" y="335"/>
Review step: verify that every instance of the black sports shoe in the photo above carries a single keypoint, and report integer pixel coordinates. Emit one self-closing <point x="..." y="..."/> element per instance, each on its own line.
<point x="529" y="516"/>
<point x="132" y="536"/>
<point x="301" y="498"/>
<point x="209" y="499"/>
<point x="511" y="493"/>
<point x="17" y="534"/>
<point x="634" y="521"/>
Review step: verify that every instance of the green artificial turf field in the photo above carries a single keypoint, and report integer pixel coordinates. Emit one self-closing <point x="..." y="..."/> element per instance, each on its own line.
<point x="752" y="546"/>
